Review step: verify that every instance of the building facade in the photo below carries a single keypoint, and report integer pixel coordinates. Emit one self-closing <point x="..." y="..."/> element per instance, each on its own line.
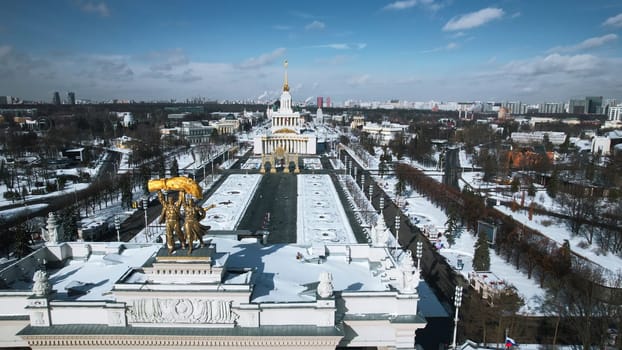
<point x="287" y="131"/>
<point x="230" y="294"/>
<point x="615" y="113"/>
<point x="385" y="132"/>
<point x="196" y="132"/>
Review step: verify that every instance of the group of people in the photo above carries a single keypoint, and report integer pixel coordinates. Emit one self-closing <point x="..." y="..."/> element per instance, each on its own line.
<point x="192" y="228"/>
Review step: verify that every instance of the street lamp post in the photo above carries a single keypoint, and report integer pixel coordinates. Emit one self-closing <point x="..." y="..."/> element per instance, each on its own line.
<point x="419" y="254"/>
<point x="457" y="303"/>
<point x="145" y="206"/>
<point x="117" y="225"/>
<point x="397" y="233"/>
<point x="381" y="203"/>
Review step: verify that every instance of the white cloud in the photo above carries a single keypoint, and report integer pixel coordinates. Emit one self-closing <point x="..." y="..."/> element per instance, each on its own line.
<point x="401" y="5"/>
<point x="515" y="15"/>
<point x="315" y="25"/>
<point x="577" y="65"/>
<point x="336" y="46"/>
<point x="4" y="50"/>
<point x="473" y="19"/>
<point x="165" y="60"/>
<point x="340" y="46"/>
<point x="263" y="60"/>
<point x="449" y="46"/>
<point x="335" y="60"/>
<point x="93" y="7"/>
<point x="586" y="44"/>
<point x="615" y="21"/>
<point x="359" y="80"/>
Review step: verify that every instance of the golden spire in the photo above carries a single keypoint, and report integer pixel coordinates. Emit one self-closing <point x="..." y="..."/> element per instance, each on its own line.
<point x="285" y="85"/>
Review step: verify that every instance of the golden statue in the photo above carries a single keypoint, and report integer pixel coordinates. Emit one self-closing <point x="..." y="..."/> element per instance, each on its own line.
<point x="193" y="214"/>
<point x="171" y="215"/>
<point x="179" y="183"/>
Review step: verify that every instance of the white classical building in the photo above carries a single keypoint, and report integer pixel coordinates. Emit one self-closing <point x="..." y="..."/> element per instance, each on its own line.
<point x="196" y="132"/>
<point x="615" y="113"/>
<point x="384" y="132"/>
<point x="231" y="294"/>
<point x="288" y="129"/>
<point x="555" y="137"/>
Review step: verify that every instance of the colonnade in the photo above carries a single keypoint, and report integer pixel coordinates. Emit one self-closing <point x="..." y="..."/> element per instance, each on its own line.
<point x="289" y="145"/>
<point x="285" y="121"/>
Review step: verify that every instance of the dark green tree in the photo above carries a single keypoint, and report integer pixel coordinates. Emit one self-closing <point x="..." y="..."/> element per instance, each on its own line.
<point x="481" y="257"/>
<point x="22" y="241"/>
<point x="452" y="225"/>
<point x="553" y="184"/>
<point x="68" y="218"/>
<point x="531" y="191"/>
<point x="125" y="186"/>
<point x="160" y="168"/>
<point x="145" y="175"/>
<point x="174" y="168"/>
<point x="515" y="185"/>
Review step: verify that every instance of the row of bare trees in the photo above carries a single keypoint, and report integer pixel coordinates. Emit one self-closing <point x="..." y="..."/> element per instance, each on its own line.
<point x="583" y="302"/>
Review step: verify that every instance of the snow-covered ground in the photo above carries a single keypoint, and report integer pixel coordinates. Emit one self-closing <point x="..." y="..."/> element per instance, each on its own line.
<point x="427" y="216"/>
<point x="321" y="217"/>
<point x="231" y="199"/>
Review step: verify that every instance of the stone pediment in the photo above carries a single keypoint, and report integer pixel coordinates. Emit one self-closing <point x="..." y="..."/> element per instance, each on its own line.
<point x="285" y="131"/>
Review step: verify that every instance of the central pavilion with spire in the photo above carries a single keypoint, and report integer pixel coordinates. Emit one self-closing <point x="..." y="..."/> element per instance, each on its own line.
<point x="287" y="133"/>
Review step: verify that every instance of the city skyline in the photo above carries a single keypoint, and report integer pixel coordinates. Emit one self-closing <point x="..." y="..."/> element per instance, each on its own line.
<point x="414" y="50"/>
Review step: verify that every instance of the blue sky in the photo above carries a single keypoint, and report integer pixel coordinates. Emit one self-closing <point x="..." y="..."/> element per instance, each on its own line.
<point x="416" y="50"/>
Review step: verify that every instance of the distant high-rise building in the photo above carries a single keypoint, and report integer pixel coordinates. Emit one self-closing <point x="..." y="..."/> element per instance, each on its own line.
<point x="328" y="102"/>
<point x="593" y="104"/>
<point x="514" y="107"/>
<point x="551" y="108"/>
<point x="56" y="98"/>
<point x="6" y="100"/>
<point x="320" y="102"/>
<point x="608" y="103"/>
<point x="576" y="107"/>
<point x="71" y="98"/>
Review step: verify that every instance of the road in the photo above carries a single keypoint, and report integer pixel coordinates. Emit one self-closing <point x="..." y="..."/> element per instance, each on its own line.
<point x="276" y="194"/>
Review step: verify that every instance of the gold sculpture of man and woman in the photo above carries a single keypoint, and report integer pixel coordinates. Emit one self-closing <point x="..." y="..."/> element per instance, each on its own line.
<point x="171" y="211"/>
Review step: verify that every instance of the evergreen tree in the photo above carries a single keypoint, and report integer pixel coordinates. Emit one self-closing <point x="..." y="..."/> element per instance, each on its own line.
<point x="160" y="168"/>
<point x="125" y="186"/>
<point x="531" y="191"/>
<point x="481" y="258"/>
<point x="515" y="185"/>
<point x="68" y="218"/>
<point x="551" y="186"/>
<point x="174" y="168"/>
<point x="145" y="175"/>
<point x="400" y="186"/>
<point x="452" y="226"/>
<point x="22" y="241"/>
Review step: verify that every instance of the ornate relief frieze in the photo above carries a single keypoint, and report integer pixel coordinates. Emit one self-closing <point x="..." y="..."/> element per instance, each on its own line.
<point x="156" y="310"/>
